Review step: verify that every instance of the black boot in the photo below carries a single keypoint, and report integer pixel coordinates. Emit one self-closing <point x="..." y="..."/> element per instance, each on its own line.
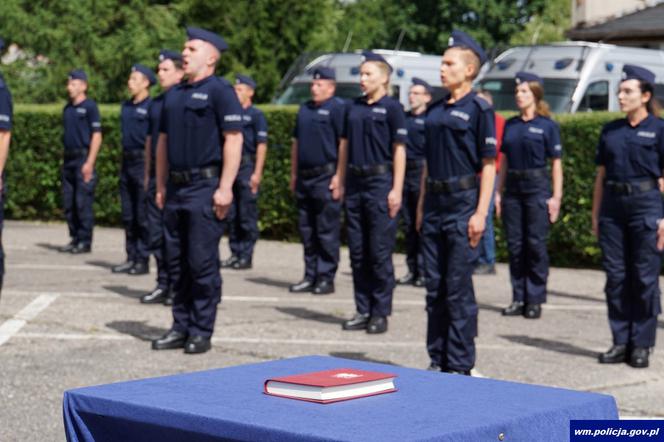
<point x="514" y="309"/>
<point x="639" y="357"/>
<point x="614" y="355"/>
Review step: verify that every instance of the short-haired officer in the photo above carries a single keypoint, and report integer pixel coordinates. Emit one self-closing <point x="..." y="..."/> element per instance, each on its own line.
<point x="243" y="214"/>
<point x="82" y="141"/>
<point x="134" y="125"/>
<point x="169" y="74"/>
<point x="199" y="152"/>
<point x="318" y="170"/>
<point x="460" y="143"/>
<point x="419" y="96"/>
<point x="627" y="218"/>
<point x="376" y="133"/>
<point x="6" y="122"/>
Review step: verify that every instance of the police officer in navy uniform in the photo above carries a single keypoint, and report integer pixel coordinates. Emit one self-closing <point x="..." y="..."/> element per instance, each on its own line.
<point x="198" y="152"/>
<point x="243" y="214"/>
<point x="460" y="143"/>
<point x="627" y="217"/>
<point x="318" y="169"/>
<point x="376" y="133"/>
<point x="82" y="140"/>
<point x="419" y="97"/>
<point x="134" y="124"/>
<point x="6" y="122"/>
<point x="527" y="204"/>
<point x="169" y="74"/>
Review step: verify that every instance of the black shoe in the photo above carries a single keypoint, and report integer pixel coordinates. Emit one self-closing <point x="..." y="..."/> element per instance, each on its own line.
<point x="532" y="311"/>
<point x="123" y="268"/>
<point x="407" y="279"/>
<point x="171" y="340"/>
<point x="156" y="296"/>
<point x="170" y="296"/>
<point x="377" y="324"/>
<point x="80" y="248"/>
<point x="514" y="309"/>
<point x="242" y="264"/>
<point x="197" y="344"/>
<point x="139" y="268"/>
<point x="434" y="367"/>
<point x="68" y="248"/>
<point x="228" y="263"/>
<point x="420" y="281"/>
<point x="304" y="286"/>
<point x="639" y="357"/>
<point x="614" y="355"/>
<point x="484" y="269"/>
<point x="323" y="288"/>
<point x="357" y="322"/>
<point x="453" y="371"/>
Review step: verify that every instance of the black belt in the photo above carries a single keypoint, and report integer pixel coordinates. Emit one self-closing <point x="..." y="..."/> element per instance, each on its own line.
<point x="527" y="174"/>
<point x="371" y="170"/>
<point x="628" y="188"/>
<point x="187" y="176"/>
<point x="133" y="154"/>
<point x="247" y="159"/>
<point x="414" y="164"/>
<point x="318" y="171"/>
<point x="75" y="153"/>
<point x="464" y="183"/>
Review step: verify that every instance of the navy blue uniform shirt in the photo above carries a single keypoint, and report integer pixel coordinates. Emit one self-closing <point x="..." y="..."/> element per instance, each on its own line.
<point x="194" y="117"/>
<point x="80" y="122"/>
<point x="527" y="144"/>
<point x="459" y="136"/>
<point x="254" y="129"/>
<point x="416" y="138"/>
<point x="6" y="106"/>
<point x="134" y="120"/>
<point x="318" y="130"/>
<point x="154" y="119"/>
<point x="632" y="153"/>
<point x="372" y="129"/>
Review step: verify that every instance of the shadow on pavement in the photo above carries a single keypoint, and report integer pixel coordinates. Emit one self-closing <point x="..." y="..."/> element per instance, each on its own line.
<point x="139" y="330"/>
<point x="551" y="345"/>
<point x="270" y="282"/>
<point x="100" y="263"/>
<point x="358" y="356"/>
<point x="490" y="307"/>
<point x="312" y="315"/>
<point x="573" y="296"/>
<point x="49" y="246"/>
<point x="125" y="291"/>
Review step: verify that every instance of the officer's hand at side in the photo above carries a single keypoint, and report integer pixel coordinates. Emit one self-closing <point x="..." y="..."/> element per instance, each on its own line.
<point x="497" y="202"/>
<point x="87" y="171"/>
<point x="476" y="225"/>
<point x="554" y="209"/>
<point x="336" y="188"/>
<point x="254" y="183"/>
<point x="595" y="226"/>
<point x="221" y="201"/>
<point x="291" y="185"/>
<point x="660" y="235"/>
<point x="393" y="203"/>
<point x="160" y="198"/>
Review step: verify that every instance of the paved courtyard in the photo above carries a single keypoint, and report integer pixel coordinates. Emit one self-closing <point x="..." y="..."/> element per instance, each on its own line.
<point x="66" y="322"/>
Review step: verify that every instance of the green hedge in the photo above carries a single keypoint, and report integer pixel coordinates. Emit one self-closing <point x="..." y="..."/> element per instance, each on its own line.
<point x="33" y="177"/>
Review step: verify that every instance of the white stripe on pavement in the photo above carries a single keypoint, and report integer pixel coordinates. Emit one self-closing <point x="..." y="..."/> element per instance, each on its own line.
<point x="12" y="326"/>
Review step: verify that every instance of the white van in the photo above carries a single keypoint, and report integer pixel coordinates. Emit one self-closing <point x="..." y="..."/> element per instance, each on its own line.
<point x="578" y="76"/>
<point x="406" y="65"/>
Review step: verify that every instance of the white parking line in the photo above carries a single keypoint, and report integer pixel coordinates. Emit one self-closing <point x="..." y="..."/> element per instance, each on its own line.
<point x="12" y="326"/>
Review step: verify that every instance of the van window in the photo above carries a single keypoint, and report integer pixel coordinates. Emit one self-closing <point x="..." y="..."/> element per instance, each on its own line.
<point x="659" y="93"/>
<point x="596" y="97"/>
<point x="557" y="92"/>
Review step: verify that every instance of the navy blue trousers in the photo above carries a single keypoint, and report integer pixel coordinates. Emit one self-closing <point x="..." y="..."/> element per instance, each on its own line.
<point x="411" y="194"/>
<point x="319" y="223"/>
<point x="628" y="239"/>
<point x="526" y="221"/>
<point x="448" y="268"/>
<point x="134" y="217"/>
<point x="156" y="243"/>
<point x="192" y="234"/>
<point x="78" y="197"/>
<point x="2" y="223"/>
<point x="371" y="239"/>
<point x="243" y="215"/>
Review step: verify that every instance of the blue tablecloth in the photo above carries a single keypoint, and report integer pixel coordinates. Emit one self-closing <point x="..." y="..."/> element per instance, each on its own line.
<point x="229" y="404"/>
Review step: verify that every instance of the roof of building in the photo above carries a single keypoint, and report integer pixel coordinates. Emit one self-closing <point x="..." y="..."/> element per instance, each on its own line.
<point x="645" y="23"/>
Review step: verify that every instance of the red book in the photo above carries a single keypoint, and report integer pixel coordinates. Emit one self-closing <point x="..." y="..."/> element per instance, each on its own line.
<point x="329" y="386"/>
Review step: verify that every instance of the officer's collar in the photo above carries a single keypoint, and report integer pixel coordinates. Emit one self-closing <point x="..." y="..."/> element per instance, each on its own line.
<point x="460" y="102"/>
<point x="143" y="101"/>
<point x="643" y="122"/>
<point x="199" y="82"/>
<point x="365" y="100"/>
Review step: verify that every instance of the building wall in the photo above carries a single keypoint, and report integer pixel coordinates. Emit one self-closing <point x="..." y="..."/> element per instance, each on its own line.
<point x="592" y="12"/>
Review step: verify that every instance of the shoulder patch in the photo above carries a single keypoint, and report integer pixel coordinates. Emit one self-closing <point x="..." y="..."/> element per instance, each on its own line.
<point x="482" y="103"/>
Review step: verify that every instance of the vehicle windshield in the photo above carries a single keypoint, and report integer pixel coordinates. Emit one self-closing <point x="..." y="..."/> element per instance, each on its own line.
<point x="298" y="93"/>
<point x="557" y="92"/>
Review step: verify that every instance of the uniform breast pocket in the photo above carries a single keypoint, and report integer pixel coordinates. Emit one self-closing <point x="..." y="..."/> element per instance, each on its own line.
<point x="455" y="123"/>
<point x="322" y="120"/>
<point x="643" y="153"/>
<point x="197" y="113"/>
<point x="534" y="149"/>
<point x="375" y="122"/>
